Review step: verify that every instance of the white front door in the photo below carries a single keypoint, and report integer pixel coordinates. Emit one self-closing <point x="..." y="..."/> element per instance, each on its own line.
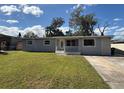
<point x="61" y="44"/>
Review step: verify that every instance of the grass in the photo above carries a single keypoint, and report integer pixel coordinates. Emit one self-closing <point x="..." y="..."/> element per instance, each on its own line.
<point x="47" y="70"/>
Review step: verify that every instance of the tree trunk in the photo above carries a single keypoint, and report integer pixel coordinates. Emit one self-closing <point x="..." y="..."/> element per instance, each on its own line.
<point x="102" y="34"/>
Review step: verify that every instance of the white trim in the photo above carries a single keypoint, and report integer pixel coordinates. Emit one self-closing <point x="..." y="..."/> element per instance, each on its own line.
<point x="68" y="53"/>
<point x="46" y="44"/>
<point x="89" y="39"/>
<point x="59" y="52"/>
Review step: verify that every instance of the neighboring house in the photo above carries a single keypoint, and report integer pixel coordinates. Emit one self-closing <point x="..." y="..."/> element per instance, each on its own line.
<point x="87" y="45"/>
<point x="8" y="42"/>
<point x="4" y="42"/>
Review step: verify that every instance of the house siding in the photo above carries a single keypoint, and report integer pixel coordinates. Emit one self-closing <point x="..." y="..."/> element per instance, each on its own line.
<point x="105" y="46"/>
<point x="38" y="45"/>
<point x="14" y="42"/>
<point x="91" y="50"/>
<point x="101" y="47"/>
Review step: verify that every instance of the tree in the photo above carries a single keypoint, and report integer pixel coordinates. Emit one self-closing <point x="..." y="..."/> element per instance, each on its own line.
<point x="74" y="20"/>
<point x="31" y="35"/>
<point x="103" y="29"/>
<point x="49" y="31"/>
<point x="69" y="33"/>
<point x="57" y="22"/>
<point x="84" y="24"/>
<point x="53" y="29"/>
<point x="19" y="35"/>
<point x="87" y="23"/>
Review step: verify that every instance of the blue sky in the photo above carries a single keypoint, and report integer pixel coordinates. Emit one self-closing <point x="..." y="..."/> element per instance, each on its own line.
<point x="22" y="18"/>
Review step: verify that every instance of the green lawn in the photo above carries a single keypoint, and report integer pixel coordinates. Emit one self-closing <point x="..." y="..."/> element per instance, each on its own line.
<point x="47" y="70"/>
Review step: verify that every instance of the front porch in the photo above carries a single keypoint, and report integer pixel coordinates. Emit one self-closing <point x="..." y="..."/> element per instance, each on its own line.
<point x="67" y="46"/>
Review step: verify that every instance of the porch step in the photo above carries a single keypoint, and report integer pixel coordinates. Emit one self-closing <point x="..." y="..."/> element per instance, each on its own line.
<point x="68" y="53"/>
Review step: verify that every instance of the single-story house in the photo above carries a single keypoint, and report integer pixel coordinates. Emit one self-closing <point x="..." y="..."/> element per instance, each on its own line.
<point x="87" y="45"/>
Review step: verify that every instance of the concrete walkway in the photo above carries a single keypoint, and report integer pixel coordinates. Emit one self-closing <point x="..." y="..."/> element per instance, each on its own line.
<point x="111" y="69"/>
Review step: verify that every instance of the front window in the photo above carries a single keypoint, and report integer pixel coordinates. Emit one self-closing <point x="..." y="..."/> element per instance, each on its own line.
<point x="29" y="42"/>
<point x="72" y="42"/>
<point x="89" y="42"/>
<point x="46" y="42"/>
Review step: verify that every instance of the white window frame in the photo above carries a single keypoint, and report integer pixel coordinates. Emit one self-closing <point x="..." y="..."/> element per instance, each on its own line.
<point x="46" y="44"/>
<point x="89" y="39"/>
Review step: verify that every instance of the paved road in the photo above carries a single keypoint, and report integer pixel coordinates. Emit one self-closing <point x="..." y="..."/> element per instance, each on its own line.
<point x="111" y="69"/>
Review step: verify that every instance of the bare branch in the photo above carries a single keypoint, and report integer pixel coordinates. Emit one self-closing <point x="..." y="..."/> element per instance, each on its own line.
<point x="99" y="28"/>
<point x="105" y="26"/>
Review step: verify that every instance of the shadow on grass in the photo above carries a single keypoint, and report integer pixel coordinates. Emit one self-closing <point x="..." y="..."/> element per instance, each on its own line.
<point x="40" y="51"/>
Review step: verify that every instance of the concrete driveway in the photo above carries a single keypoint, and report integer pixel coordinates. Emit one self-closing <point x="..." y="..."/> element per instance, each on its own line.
<point x="111" y="69"/>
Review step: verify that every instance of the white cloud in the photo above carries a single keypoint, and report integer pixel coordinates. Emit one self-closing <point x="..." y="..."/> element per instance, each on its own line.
<point x="14" y="31"/>
<point x="37" y="29"/>
<point x="119" y="34"/>
<point x="117" y="19"/>
<point x="12" y="21"/>
<point x="78" y="5"/>
<point x="120" y="29"/>
<point x="84" y="6"/>
<point x="113" y="27"/>
<point x="34" y="10"/>
<point x="97" y="30"/>
<point x="8" y="10"/>
<point x="116" y="30"/>
<point x="67" y="11"/>
<point x="26" y="9"/>
<point x="64" y="29"/>
<point x="108" y="29"/>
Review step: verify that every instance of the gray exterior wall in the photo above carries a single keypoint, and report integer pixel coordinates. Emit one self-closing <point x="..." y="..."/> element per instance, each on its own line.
<point x="38" y="45"/>
<point x="13" y="43"/>
<point x="105" y="46"/>
<point x="101" y="47"/>
<point x="72" y="49"/>
<point x="92" y="50"/>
